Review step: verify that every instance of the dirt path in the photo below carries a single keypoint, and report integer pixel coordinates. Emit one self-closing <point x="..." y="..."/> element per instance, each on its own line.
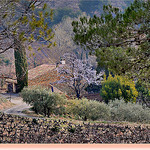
<point x="19" y="105"/>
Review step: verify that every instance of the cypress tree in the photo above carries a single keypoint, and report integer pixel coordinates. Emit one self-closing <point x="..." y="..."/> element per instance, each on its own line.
<point x="21" y="65"/>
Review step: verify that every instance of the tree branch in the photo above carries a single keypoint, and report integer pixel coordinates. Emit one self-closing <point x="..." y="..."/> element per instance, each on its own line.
<point x="4" y="50"/>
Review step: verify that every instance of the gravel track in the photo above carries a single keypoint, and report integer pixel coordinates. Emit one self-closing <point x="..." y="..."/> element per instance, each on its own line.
<point x="19" y="105"/>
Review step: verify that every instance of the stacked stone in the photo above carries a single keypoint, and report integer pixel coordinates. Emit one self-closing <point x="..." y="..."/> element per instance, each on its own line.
<point x="16" y="129"/>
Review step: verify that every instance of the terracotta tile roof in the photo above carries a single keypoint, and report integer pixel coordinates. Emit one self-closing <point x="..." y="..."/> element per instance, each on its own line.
<point x="47" y="76"/>
<point x="44" y="76"/>
<point x="40" y="70"/>
<point x="45" y="84"/>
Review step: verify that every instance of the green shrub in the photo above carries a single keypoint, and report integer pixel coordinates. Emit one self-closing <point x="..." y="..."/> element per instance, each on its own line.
<point x="121" y="111"/>
<point x="44" y="101"/>
<point x="117" y="87"/>
<point x="87" y="109"/>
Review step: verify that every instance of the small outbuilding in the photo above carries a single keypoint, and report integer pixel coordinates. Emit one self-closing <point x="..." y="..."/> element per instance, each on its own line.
<point x="11" y="85"/>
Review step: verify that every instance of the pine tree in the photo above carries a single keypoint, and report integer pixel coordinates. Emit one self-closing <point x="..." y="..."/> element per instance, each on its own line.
<point x="120" y="40"/>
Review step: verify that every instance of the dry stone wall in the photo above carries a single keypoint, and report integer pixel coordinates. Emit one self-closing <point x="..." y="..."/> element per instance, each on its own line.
<point x="15" y="129"/>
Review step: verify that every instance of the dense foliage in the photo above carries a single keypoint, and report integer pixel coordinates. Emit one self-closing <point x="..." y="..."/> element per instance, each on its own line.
<point x="117" y="87"/>
<point x="62" y="13"/>
<point x="20" y="66"/>
<point x="93" y="88"/>
<point x="116" y="110"/>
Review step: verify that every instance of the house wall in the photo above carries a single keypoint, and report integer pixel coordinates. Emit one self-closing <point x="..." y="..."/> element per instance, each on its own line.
<point x="3" y="84"/>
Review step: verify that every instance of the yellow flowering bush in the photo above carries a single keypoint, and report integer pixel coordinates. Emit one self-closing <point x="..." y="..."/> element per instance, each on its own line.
<point x="117" y="87"/>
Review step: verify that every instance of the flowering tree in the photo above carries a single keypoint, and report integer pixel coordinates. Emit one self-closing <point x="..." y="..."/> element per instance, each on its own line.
<point x="77" y="74"/>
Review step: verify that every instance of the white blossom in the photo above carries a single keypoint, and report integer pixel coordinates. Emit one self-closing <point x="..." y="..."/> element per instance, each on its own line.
<point x="77" y="73"/>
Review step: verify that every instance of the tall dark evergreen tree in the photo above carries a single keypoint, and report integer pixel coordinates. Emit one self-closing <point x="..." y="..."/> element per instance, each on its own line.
<point x="20" y="65"/>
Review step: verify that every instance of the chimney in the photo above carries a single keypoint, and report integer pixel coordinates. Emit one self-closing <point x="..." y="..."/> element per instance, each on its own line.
<point x="62" y="61"/>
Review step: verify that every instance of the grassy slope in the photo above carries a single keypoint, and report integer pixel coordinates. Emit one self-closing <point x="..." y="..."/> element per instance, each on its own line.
<point x="77" y="122"/>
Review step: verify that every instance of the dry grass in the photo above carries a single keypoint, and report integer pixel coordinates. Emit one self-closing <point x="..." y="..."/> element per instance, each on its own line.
<point x="71" y="119"/>
<point x="32" y="113"/>
<point x="5" y="104"/>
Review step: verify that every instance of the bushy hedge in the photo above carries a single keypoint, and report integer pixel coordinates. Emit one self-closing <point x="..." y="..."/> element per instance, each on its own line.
<point x="88" y="109"/>
<point x="122" y="111"/>
<point x="117" y="87"/>
<point x="44" y="101"/>
<point x="117" y="110"/>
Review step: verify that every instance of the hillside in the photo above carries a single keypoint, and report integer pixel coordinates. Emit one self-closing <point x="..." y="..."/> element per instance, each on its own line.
<point x="63" y="34"/>
<point x="75" y="4"/>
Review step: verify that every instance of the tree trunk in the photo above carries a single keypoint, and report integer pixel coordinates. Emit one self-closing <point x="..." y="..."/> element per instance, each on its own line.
<point x="48" y="112"/>
<point x="76" y="88"/>
<point x="20" y="65"/>
<point x="77" y="94"/>
<point x="45" y="112"/>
